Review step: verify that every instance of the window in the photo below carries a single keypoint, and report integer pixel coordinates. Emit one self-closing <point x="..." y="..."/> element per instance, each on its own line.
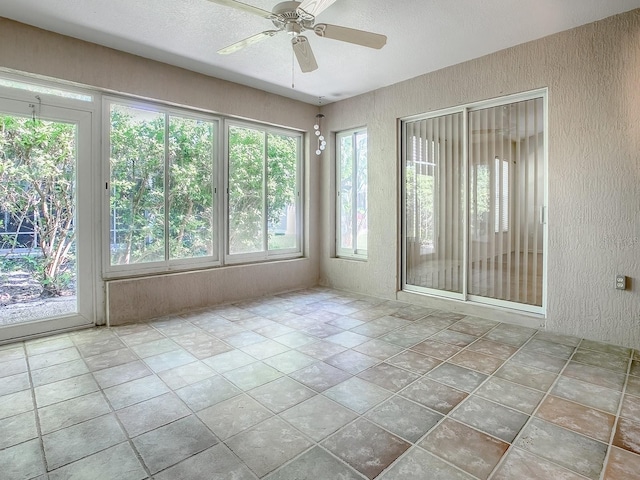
<point x="162" y="174"/>
<point x="351" y="190"/>
<point x="57" y="92"/>
<point x="263" y="186"/>
<point x="164" y="213"/>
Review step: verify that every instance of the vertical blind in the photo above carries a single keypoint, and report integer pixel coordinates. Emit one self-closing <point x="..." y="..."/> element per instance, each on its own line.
<point x="434" y="178"/>
<point x="497" y="188"/>
<point x="506" y="171"/>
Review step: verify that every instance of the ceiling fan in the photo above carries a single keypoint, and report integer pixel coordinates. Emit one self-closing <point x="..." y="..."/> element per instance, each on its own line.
<point x="294" y="18"/>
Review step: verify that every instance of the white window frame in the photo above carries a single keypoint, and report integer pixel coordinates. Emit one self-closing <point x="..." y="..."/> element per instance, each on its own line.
<point x="265" y="254"/>
<point x="46" y="95"/>
<point x="464" y="296"/>
<point x="354" y="252"/>
<point x="57" y="92"/>
<point x="167" y="265"/>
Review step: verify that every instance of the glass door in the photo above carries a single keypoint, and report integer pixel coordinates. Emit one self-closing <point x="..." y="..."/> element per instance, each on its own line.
<point x="46" y="272"/>
<point x="475" y="203"/>
<point x="434" y="204"/>
<point x="506" y="202"/>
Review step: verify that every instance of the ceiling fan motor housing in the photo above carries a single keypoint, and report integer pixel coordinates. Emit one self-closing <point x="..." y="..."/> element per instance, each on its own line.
<point x="287" y="18"/>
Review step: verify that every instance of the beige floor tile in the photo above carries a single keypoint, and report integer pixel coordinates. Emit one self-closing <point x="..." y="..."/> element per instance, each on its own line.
<point x="17" y="429"/>
<point x="268" y="445"/>
<point x="566" y="448"/>
<point x="71" y="412"/>
<point x="281" y="394"/>
<point x="318" y="417"/>
<point x="520" y="464"/>
<point x="73" y="443"/>
<point x="22" y="461"/>
<point x="434" y="395"/>
<point x="119" y="461"/>
<point x="587" y="421"/>
<point x="622" y="465"/>
<point x="150" y="414"/>
<point x="232" y="416"/>
<point x="466" y="448"/>
<point x="419" y="464"/>
<point x="166" y="446"/>
<point x="366" y="447"/>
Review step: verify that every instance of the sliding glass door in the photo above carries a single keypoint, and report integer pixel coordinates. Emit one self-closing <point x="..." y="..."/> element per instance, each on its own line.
<point x="474" y="203"/>
<point x="506" y="202"/>
<point x="434" y="203"/>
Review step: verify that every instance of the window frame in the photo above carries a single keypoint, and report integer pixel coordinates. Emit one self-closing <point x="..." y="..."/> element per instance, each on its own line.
<point x="353" y="253"/>
<point x="266" y="254"/>
<point x="167" y="265"/>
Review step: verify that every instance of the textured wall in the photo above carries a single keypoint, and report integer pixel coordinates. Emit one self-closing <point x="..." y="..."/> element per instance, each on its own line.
<point x="593" y="78"/>
<point x="36" y="51"/>
<point x="185" y="291"/>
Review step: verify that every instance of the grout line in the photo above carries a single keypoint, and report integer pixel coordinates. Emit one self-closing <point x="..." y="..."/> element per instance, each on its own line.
<point x="404" y="349"/>
<point x="533" y="415"/>
<point x="617" y="417"/>
<point x="35" y="410"/>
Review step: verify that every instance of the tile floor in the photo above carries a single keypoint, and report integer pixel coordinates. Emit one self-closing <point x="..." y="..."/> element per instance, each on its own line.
<point x="318" y="384"/>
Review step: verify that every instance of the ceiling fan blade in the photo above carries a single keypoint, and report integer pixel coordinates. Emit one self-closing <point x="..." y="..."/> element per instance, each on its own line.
<point x="351" y="35"/>
<point x="244" y="7"/>
<point x="247" y="41"/>
<point x="314" y="7"/>
<point x="304" y="54"/>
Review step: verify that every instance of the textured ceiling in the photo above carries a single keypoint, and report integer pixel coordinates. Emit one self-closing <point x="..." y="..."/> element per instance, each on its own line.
<point x="423" y="36"/>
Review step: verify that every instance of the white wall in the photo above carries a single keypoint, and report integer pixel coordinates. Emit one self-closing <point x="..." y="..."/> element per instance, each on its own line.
<point x="36" y="51"/>
<point x="592" y="75"/>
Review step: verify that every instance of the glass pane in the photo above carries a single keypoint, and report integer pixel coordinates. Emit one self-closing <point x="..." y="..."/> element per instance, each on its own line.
<point x="361" y="189"/>
<point x="46" y="90"/>
<point x="246" y="190"/>
<point x="346" y="192"/>
<point x="282" y="191"/>
<point x="434" y="208"/>
<point x="191" y="208"/>
<point x="137" y="148"/>
<point x="506" y="166"/>
<point x="37" y="219"/>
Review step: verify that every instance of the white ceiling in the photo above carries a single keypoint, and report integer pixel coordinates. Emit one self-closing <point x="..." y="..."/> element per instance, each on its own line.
<point x="423" y="36"/>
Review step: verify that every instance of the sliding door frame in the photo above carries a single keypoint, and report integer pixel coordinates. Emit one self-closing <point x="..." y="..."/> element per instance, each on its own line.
<point x="464" y="296"/>
<point x="82" y="114"/>
<point x="403" y="214"/>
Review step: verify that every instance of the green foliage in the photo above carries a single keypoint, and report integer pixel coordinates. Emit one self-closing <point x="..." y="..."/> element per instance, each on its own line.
<point x="353" y="190"/>
<point x="138" y="186"/>
<point x="259" y="193"/>
<point x="247" y="184"/>
<point x="191" y="180"/>
<point x="246" y="190"/>
<point x="29" y="263"/>
<point x="37" y="178"/>
<point x="420" y="208"/>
